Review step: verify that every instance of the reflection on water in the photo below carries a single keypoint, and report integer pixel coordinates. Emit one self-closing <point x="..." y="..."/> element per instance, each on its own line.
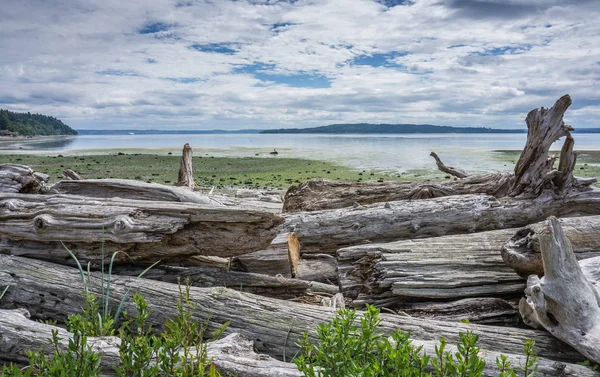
<point x="389" y="153"/>
<point x="43" y="144"/>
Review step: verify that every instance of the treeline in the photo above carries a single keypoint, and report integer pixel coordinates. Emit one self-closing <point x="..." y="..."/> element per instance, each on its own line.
<point x="27" y="124"/>
<point x="368" y="128"/>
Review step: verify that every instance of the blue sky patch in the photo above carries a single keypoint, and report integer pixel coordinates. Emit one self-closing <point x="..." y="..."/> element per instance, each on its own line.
<point x="183" y="80"/>
<point x="505" y="50"/>
<point x="393" y="3"/>
<point x="263" y="72"/>
<point x="378" y="60"/>
<point x="154" y="27"/>
<point x="117" y="72"/>
<point x="219" y="48"/>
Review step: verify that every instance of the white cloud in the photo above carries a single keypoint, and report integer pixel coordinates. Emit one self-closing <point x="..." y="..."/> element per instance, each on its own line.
<point x="219" y="64"/>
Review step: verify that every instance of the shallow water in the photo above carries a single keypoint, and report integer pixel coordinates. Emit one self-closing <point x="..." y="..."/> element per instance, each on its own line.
<point x="389" y="153"/>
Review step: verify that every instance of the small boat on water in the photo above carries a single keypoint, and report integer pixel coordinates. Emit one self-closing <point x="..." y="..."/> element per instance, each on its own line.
<point x="274" y="153"/>
<point x="131" y="133"/>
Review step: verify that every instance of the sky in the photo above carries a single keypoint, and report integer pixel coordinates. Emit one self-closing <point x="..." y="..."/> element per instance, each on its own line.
<point x="221" y="64"/>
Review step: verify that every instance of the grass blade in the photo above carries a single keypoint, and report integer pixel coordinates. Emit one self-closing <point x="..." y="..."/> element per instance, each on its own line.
<point x="126" y="295"/>
<point x="78" y="266"/>
<point x="4" y="292"/>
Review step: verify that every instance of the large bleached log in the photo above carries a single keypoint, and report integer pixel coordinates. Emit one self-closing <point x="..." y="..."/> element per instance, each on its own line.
<point x="443" y="268"/>
<point x="535" y="171"/>
<point x="233" y="355"/>
<point x="275" y="326"/>
<point x="522" y="251"/>
<point x="564" y="301"/>
<point x="272" y="286"/>
<point x="321" y="194"/>
<point x="33" y="225"/>
<point x="327" y="231"/>
<point x="483" y="310"/>
<point x="137" y="190"/>
<point x="20" y="178"/>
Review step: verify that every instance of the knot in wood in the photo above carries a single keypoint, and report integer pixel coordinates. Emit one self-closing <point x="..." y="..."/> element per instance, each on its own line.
<point x="122" y="223"/>
<point x="41" y="222"/>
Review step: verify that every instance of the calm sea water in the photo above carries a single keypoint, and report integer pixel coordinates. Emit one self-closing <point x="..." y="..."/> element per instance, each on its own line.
<point x="390" y="153"/>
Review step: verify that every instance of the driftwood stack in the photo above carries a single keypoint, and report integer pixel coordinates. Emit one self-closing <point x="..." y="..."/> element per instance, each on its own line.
<point x="430" y="253"/>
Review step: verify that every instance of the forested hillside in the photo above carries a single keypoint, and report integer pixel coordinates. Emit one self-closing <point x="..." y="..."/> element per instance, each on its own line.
<point x="28" y="124"/>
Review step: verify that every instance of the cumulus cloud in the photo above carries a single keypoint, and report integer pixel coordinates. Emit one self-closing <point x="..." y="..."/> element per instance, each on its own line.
<point x="267" y="63"/>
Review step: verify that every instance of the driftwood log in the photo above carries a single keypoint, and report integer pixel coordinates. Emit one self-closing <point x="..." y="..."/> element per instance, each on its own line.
<point x="49" y="290"/>
<point x="266" y="285"/>
<point x="330" y="230"/>
<point x="443" y="268"/>
<point x="481" y="310"/>
<point x="282" y="258"/>
<point x="448" y="169"/>
<point x="20" y="178"/>
<point x="564" y="301"/>
<point x="70" y="174"/>
<point x="232" y="355"/>
<point x="137" y="190"/>
<point x="522" y="251"/>
<point x="186" y="172"/>
<point x="321" y="194"/>
<point x="34" y="225"/>
<point x="534" y="171"/>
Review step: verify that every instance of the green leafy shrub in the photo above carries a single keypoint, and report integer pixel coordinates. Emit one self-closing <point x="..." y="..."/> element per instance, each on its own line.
<point x="350" y="348"/>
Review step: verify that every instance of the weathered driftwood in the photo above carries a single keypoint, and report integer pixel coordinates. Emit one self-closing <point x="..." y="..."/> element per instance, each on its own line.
<point x="271" y="286"/>
<point x="320" y="194"/>
<point x="564" y="301"/>
<point x="33" y="225"/>
<point x="275" y="326"/>
<point x="448" y="169"/>
<point x="483" y="310"/>
<point x="232" y="355"/>
<point x="443" y="268"/>
<point x="522" y="251"/>
<point x="327" y="231"/>
<point x="535" y="171"/>
<point x="318" y="267"/>
<point x="274" y="260"/>
<point x="20" y="178"/>
<point x="282" y="258"/>
<point x="70" y="174"/>
<point x="186" y="172"/>
<point x="137" y="190"/>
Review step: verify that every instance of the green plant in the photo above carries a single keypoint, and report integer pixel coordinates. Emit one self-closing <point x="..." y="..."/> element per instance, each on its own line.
<point x="178" y="351"/>
<point x="348" y="349"/>
<point x="97" y="315"/>
<point x="78" y="360"/>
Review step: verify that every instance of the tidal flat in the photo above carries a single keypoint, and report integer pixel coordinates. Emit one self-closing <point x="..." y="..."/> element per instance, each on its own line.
<point x="224" y="173"/>
<point x="263" y="172"/>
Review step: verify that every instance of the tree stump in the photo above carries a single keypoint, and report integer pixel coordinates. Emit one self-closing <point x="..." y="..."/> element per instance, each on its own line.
<point x="186" y="172"/>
